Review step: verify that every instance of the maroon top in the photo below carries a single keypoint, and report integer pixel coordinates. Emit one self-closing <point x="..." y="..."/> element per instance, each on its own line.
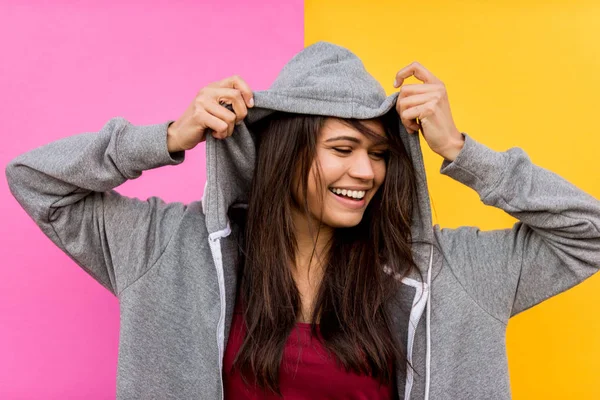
<point x="305" y="373"/>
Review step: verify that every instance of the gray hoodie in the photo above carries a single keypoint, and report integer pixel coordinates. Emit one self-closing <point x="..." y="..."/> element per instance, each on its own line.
<point x="172" y="265"/>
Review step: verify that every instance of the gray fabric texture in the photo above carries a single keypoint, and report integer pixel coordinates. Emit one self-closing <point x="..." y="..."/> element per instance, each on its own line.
<point x="172" y="265"/>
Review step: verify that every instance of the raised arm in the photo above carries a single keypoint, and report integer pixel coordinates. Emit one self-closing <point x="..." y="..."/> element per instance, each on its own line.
<point x="66" y="187"/>
<point x="554" y="245"/>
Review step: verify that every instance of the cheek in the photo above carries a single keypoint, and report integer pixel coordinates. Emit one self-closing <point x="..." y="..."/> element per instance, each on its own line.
<point x="380" y="171"/>
<point x="331" y="170"/>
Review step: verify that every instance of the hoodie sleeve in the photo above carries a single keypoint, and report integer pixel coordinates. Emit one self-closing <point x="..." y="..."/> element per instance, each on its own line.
<point x="66" y="187"/>
<point x="554" y="246"/>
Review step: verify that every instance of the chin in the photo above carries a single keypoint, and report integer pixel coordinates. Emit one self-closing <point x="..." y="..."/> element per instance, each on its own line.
<point x="343" y="221"/>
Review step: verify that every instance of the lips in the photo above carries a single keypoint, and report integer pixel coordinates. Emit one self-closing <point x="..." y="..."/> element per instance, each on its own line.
<point x="349" y="202"/>
<point x="353" y="194"/>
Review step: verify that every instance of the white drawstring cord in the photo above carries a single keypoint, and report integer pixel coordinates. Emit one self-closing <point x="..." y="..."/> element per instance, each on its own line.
<point x="428" y="359"/>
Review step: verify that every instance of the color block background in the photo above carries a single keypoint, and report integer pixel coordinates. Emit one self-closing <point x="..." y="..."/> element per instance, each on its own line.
<point x="68" y="68"/>
<point x="518" y="74"/>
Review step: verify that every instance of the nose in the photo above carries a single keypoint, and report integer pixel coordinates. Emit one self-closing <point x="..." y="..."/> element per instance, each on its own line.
<point x="362" y="167"/>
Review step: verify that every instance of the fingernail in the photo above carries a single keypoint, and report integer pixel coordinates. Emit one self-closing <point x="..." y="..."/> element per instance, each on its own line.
<point x="395" y="82"/>
<point x="251" y="102"/>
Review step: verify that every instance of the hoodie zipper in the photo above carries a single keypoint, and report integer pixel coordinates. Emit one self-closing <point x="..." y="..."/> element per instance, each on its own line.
<point x="214" y="240"/>
<point x="419" y="303"/>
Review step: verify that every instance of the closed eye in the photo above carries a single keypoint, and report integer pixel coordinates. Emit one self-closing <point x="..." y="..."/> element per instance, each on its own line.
<point x="380" y="155"/>
<point x="377" y="155"/>
<point x="343" y="151"/>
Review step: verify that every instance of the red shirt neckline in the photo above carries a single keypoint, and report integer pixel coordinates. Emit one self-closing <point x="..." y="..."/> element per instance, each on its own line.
<point x="307" y="370"/>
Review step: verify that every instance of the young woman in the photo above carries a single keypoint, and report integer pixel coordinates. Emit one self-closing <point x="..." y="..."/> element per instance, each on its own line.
<point x="310" y="268"/>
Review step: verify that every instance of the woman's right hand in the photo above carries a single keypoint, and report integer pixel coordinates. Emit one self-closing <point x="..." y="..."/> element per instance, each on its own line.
<point x="206" y="112"/>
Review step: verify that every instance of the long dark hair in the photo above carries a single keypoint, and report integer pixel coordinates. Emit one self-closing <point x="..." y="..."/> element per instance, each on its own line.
<point x="351" y="300"/>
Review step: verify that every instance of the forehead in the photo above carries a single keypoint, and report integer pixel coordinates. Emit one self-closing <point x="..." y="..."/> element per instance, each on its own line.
<point x="335" y="127"/>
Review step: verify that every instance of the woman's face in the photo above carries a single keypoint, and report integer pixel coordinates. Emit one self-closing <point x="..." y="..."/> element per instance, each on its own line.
<point x="352" y="170"/>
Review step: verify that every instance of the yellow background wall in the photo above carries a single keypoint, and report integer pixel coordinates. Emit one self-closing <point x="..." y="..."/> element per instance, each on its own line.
<point x="523" y="74"/>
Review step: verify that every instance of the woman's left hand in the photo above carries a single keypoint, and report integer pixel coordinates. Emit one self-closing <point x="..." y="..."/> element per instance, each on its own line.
<point x="429" y="103"/>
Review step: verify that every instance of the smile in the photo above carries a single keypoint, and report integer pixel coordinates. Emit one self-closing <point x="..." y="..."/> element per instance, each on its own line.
<point x="350" y="202"/>
<point x="351" y="194"/>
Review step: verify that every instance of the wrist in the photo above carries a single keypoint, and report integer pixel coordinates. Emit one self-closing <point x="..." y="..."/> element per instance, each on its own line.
<point x="453" y="149"/>
<point x="172" y="143"/>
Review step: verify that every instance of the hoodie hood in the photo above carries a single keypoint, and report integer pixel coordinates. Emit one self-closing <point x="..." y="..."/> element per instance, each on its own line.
<point x="322" y="79"/>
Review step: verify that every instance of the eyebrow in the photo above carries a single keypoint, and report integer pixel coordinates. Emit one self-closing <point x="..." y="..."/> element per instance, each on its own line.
<point x="350" y="138"/>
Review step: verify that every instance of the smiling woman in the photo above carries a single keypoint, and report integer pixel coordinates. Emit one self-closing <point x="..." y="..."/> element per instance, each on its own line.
<point x="318" y="231"/>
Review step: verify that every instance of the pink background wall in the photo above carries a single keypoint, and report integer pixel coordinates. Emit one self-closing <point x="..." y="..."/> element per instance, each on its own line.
<point x="66" y="69"/>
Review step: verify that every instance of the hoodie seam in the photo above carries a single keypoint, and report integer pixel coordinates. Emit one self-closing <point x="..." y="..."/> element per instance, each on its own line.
<point x="502" y="177"/>
<point x="516" y="291"/>
<point x="482" y="180"/>
<point x="118" y="152"/>
<point x="162" y="252"/>
<point x="321" y="98"/>
<point x="474" y="299"/>
<point x="108" y="285"/>
<point x="468" y="293"/>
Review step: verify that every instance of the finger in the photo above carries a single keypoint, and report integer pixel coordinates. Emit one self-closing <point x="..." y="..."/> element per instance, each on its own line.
<point x="411" y="126"/>
<point x="417" y="88"/>
<point x="415" y="112"/>
<point x="416" y="127"/>
<point x="413" y="102"/>
<point x="419" y="72"/>
<point x="236" y="82"/>
<point x="233" y="97"/>
<point x="223" y="114"/>
<point x="216" y="121"/>
<point x="416" y="99"/>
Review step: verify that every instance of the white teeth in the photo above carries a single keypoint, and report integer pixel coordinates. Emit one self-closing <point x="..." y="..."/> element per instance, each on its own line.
<point x="356" y="194"/>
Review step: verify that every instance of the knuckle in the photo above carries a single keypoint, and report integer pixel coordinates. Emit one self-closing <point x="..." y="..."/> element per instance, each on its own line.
<point x="198" y="114"/>
<point x="223" y="126"/>
<point x="200" y="102"/>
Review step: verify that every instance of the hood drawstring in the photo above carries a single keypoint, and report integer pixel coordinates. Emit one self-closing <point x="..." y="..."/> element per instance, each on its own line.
<point x="428" y="357"/>
<point x="421" y="300"/>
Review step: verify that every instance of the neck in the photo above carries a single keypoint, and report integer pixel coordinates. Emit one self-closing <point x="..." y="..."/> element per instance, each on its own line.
<point x="310" y="238"/>
<point x="308" y="272"/>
